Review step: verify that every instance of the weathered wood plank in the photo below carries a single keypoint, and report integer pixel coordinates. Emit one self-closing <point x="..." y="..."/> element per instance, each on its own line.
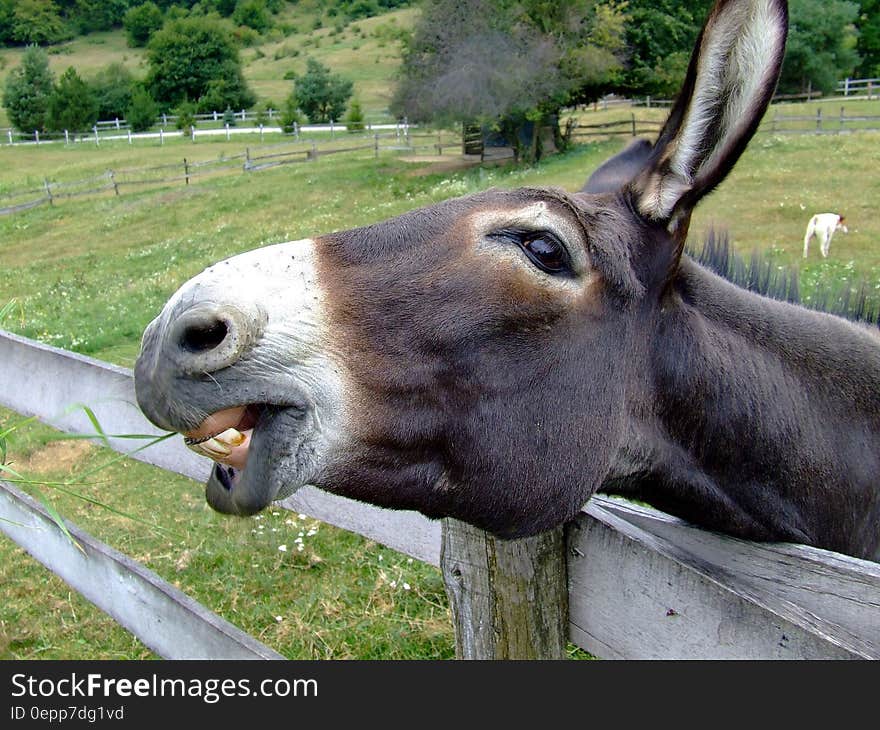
<point x="50" y="381"/>
<point x="646" y="585"/>
<point x="162" y="617"/>
<point x="508" y="597"/>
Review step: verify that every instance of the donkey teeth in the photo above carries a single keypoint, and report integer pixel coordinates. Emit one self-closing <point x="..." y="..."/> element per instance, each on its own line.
<point x="211" y="448"/>
<point x="230" y="437"/>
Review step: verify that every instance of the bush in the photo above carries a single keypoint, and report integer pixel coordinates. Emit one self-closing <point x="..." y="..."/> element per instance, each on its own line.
<point x="186" y="116"/>
<point x="140" y="22"/>
<point x="72" y="104"/>
<point x="142" y="111"/>
<point x="354" y="120"/>
<point x="291" y="114"/>
<point x="253" y="14"/>
<point x="194" y="57"/>
<point x="112" y="89"/>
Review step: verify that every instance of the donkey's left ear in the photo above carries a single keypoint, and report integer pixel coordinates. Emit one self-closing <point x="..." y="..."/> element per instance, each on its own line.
<point x="730" y="81"/>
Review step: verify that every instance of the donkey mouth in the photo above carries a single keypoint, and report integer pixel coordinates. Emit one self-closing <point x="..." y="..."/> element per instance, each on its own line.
<point x="231" y="438"/>
<point x="225" y="436"/>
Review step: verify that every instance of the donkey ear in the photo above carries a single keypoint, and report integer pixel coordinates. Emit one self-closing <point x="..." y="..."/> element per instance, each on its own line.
<point x="731" y="78"/>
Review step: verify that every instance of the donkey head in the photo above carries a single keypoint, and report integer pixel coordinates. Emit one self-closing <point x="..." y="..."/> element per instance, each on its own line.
<point x="479" y="358"/>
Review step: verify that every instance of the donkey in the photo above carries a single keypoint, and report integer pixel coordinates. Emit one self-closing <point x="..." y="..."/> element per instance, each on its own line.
<point x="501" y="357"/>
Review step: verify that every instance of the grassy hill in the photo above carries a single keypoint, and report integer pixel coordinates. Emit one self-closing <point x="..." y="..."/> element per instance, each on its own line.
<point x="366" y="51"/>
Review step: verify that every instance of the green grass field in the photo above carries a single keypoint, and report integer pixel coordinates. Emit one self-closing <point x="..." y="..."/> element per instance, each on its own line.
<point x="88" y="274"/>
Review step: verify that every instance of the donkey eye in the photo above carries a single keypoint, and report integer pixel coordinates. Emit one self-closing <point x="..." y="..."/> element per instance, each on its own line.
<point x="543" y="248"/>
<point x="546" y="252"/>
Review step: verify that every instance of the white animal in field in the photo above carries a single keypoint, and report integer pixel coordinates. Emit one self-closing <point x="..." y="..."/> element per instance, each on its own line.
<point x="823" y="226"/>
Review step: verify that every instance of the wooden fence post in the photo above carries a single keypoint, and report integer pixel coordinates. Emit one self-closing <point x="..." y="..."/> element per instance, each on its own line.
<point x="509" y="598"/>
<point x="186" y="170"/>
<point x="48" y="189"/>
<point x="819" y="119"/>
<point x="633" y="123"/>
<point x="113" y="181"/>
<point x="376" y="145"/>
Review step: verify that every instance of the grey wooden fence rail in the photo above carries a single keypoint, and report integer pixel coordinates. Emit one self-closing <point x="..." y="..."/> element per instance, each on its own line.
<point x="621" y="581"/>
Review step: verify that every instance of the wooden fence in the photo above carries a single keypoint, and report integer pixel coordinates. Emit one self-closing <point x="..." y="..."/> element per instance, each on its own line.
<point x="820" y="123"/>
<point x="249" y="160"/>
<point x="631" y="127"/>
<point x="621" y="581"/>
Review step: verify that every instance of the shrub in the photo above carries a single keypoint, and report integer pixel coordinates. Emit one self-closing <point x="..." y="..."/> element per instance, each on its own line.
<point x="354" y="120"/>
<point x="140" y="22"/>
<point x="72" y="104"/>
<point x="186" y="116"/>
<point x="142" y="110"/>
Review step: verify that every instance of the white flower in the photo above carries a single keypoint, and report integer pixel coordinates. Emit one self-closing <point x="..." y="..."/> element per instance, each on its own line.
<point x="301" y="516"/>
<point x="279" y="619"/>
<point x="300" y="547"/>
<point x="406" y="586"/>
<point x="393" y="584"/>
<point x="282" y="548"/>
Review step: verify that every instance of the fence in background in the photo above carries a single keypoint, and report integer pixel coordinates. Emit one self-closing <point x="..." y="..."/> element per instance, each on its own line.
<point x="251" y="159"/>
<point x="820" y="123"/>
<point x="620" y="581"/>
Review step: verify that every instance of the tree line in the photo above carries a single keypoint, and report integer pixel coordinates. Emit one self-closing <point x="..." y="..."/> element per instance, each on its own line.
<point x="508" y="64"/>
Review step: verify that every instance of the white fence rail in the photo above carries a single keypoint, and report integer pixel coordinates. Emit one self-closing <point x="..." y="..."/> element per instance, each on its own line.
<point x="641" y="584"/>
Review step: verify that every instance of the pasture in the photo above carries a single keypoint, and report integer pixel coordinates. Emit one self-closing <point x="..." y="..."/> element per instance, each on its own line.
<point x="365" y="51"/>
<point x="89" y="274"/>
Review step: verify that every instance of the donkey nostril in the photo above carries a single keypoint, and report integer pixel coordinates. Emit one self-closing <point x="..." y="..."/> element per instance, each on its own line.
<point x="209" y="336"/>
<point x="203" y="336"/>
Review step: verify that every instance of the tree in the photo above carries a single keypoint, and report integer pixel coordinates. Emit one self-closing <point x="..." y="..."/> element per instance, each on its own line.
<point x="252" y="13"/>
<point x="322" y="96"/>
<point x="186" y="55"/>
<point x="660" y="35"/>
<point x="72" y="105"/>
<point x="112" y="89"/>
<point x="140" y="22"/>
<point x="508" y="65"/>
<point x="821" y="46"/>
<point x="37" y="21"/>
<point x="94" y="15"/>
<point x="142" y="110"/>
<point x="27" y="91"/>
<point x="869" y="39"/>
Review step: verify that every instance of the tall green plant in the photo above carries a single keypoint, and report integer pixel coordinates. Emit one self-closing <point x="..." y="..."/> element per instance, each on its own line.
<point x="72" y="104"/>
<point x="28" y="90"/>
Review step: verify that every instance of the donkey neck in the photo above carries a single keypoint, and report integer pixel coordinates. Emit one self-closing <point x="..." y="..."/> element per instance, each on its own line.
<point x="766" y="419"/>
